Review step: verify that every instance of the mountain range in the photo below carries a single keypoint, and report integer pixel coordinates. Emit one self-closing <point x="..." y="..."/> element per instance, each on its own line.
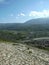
<point x="30" y="25"/>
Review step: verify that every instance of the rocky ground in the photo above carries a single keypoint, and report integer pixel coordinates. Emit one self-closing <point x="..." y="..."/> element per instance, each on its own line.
<point x="22" y="54"/>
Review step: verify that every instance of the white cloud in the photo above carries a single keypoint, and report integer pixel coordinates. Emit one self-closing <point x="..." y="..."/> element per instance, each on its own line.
<point x="21" y="14"/>
<point x="39" y="14"/>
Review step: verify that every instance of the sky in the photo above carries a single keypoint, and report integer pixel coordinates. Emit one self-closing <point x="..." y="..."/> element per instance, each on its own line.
<point x="20" y="11"/>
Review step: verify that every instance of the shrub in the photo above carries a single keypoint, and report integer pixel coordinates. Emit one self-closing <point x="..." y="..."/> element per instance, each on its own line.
<point x="30" y="52"/>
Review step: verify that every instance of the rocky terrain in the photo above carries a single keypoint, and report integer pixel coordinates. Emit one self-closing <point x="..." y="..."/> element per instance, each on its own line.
<point x="22" y="54"/>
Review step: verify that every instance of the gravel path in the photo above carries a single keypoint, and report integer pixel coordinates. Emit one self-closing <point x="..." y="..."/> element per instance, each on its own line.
<point x="41" y="38"/>
<point x="21" y="54"/>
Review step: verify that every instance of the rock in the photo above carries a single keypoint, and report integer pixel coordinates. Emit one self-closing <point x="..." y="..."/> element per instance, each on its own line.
<point x="18" y="55"/>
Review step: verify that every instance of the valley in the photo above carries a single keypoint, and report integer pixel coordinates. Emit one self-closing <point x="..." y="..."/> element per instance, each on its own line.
<point x="24" y="32"/>
<point x="24" y="43"/>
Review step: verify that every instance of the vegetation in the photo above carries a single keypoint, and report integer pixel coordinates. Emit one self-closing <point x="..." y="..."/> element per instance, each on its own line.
<point x="30" y="51"/>
<point x="10" y="36"/>
<point x="20" y="35"/>
<point x="14" y="32"/>
<point x="44" y="48"/>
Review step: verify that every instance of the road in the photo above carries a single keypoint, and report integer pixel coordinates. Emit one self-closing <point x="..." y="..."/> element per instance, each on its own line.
<point x="41" y="38"/>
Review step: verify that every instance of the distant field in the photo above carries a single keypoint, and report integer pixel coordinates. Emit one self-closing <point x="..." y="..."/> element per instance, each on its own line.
<point x="14" y="36"/>
<point x="41" y="38"/>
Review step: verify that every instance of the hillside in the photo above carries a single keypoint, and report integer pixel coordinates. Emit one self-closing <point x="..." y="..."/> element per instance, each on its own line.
<point x="22" y="54"/>
<point x="39" y="24"/>
<point x="24" y="43"/>
<point x="37" y="21"/>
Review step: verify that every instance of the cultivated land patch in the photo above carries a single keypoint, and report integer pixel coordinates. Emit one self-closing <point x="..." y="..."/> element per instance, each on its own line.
<point x="41" y="38"/>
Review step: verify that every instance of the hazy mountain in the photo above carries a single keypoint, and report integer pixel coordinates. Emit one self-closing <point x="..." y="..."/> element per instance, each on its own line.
<point x="10" y="26"/>
<point x="38" y="21"/>
<point x="39" y="24"/>
<point x="33" y="24"/>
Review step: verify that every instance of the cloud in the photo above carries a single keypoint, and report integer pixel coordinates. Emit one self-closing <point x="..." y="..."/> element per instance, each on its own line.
<point x="39" y="14"/>
<point x="21" y="14"/>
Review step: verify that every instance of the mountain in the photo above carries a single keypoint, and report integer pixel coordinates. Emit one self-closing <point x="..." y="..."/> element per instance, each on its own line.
<point x="39" y="24"/>
<point x="10" y="26"/>
<point x="38" y="21"/>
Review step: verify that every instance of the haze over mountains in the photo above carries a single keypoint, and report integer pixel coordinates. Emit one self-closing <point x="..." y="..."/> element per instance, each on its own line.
<point x="33" y="24"/>
<point x="38" y="21"/>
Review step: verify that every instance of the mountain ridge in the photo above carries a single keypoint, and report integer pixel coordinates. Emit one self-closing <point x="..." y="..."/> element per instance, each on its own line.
<point x="33" y="24"/>
<point x="38" y="21"/>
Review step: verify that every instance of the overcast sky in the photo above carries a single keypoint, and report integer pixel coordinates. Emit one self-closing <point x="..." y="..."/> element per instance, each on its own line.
<point x="18" y="11"/>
